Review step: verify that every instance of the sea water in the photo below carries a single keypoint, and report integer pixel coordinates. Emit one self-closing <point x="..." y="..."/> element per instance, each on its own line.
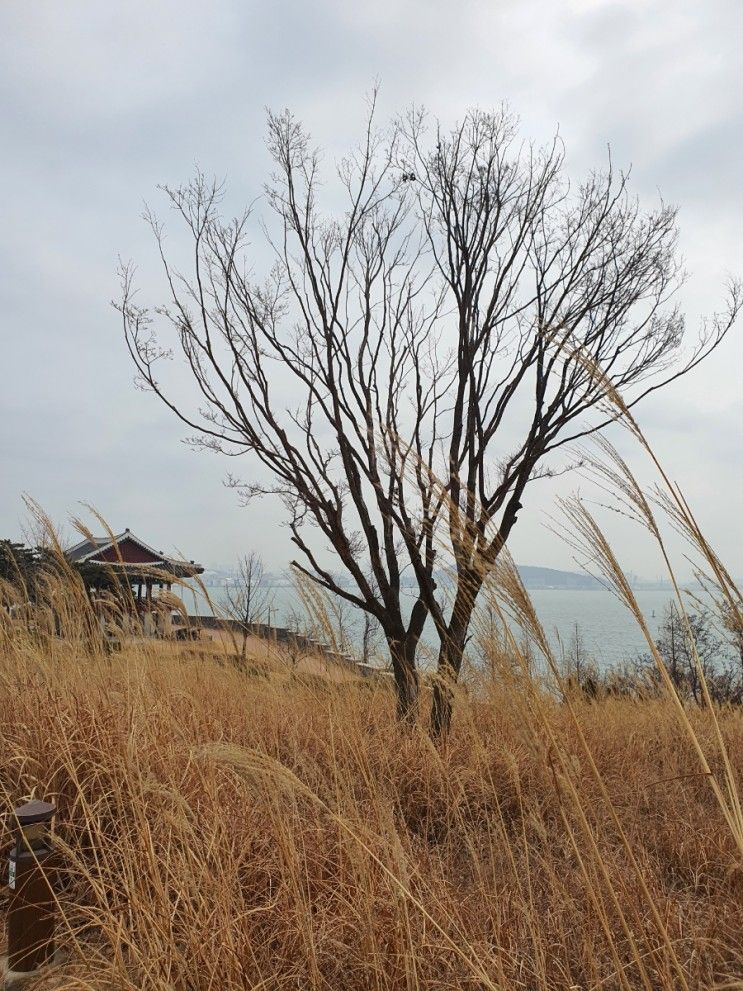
<point x="608" y="632"/>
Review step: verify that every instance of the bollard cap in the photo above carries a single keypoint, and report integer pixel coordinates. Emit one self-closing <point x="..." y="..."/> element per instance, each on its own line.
<point x="34" y="811"/>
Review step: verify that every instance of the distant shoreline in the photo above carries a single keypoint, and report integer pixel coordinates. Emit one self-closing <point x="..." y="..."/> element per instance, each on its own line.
<point x="640" y="587"/>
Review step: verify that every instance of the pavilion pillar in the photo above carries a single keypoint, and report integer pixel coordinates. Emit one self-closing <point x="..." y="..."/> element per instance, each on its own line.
<point x="147" y="614"/>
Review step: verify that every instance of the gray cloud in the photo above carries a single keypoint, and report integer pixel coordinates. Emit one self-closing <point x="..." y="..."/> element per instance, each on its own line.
<point x="102" y="102"/>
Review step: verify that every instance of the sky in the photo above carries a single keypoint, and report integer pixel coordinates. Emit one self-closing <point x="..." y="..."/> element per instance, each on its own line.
<point x="102" y="102"/>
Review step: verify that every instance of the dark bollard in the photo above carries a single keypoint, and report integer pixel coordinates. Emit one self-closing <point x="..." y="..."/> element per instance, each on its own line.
<point x="31" y="912"/>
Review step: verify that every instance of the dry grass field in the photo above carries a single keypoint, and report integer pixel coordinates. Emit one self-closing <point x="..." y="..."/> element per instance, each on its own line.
<point x="225" y="829"/>
<point x="226" y="825"/>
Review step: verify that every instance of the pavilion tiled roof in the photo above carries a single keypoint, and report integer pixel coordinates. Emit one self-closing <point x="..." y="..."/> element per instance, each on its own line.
<point x="90" y="551"/>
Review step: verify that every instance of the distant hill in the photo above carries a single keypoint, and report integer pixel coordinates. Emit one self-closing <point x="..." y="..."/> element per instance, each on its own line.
<point x="532" y="577"/>
<point x="535" y="577"/>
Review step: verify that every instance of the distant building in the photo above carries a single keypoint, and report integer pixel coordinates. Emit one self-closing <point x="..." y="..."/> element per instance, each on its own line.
<point x="141" y="570"/>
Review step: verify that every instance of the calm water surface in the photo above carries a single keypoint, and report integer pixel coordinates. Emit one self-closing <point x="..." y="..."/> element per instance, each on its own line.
<point x="607" y="630"/>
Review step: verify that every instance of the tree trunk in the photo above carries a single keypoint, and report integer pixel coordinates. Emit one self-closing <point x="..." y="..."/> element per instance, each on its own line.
<point x="450" y="656"/>
<point x="406" y="680"/>
<point x="449" y="665"/>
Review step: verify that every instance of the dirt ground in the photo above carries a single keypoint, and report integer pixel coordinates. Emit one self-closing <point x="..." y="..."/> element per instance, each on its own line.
<point x="276" y="655"/>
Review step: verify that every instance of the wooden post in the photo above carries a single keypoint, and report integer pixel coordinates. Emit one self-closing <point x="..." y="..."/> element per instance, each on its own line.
<point x="148" y="617"/>
<point x="32" y="906"/>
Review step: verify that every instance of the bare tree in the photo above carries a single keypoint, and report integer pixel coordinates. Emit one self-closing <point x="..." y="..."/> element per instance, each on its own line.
<point x="351" y="632"/>
<point x="731" y="623"/>
<point x="248" y="599"/>
<point x="579" y="668"/>
<point x="348" y="313"/>
<point x="559" y="296"/>
<point x="693" y="650"/>
<point x="341" y="617"/>
<point x="413" y="360"/>
<point x="369" y="638"/>
<point x="301" y="632"/>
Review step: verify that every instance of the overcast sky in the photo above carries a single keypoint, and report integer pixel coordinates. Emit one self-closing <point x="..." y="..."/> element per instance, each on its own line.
<point x="101" y="102"/>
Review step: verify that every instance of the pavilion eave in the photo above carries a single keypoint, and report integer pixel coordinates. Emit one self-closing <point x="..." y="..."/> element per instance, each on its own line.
<point x="152" y="572"/>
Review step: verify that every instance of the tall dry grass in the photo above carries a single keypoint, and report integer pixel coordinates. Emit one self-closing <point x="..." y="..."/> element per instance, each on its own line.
<point x="224" y="828"/>
<point x="227" y="830"/>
